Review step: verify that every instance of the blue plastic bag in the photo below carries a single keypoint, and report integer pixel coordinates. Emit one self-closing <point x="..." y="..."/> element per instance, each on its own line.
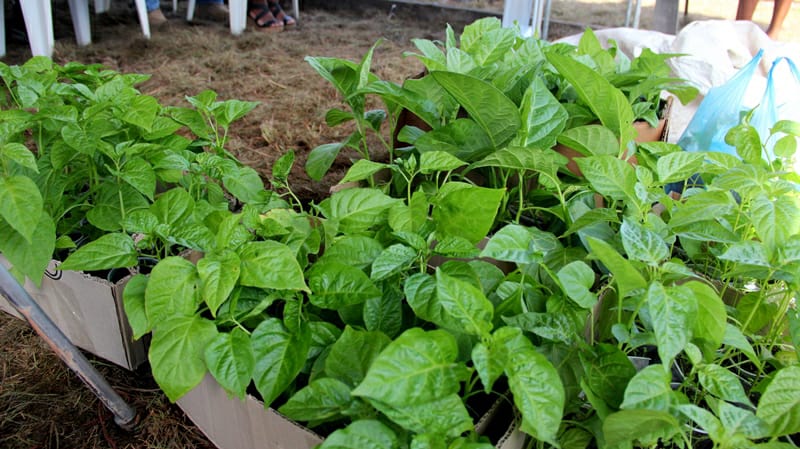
<point x="723" y="108"/>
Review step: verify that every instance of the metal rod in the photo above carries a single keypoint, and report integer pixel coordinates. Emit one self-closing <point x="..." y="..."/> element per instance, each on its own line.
<point x="124" y="414"/>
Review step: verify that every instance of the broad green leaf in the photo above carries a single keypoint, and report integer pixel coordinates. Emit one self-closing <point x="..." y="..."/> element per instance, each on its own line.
<point x="420" y="291"/>
<point x="711" y="320"/>
<point x="229" y="111"/>
<point x="575" y="438"/>
<point x="115" y="250"/>
<point x="447" y="416"/>
<point x="489" y="362"/>
<point x="418" y="366"/>
<point x="20" y="204"/>
<point x="362" y="169"/>
<point x="645" y="426"/>
<point x="141" y="111"/>
<point x="176" y="352"/>
<point x="334" y="285"/>
<point x="556" y="327"/>
<point x="703" y="206"/>
<point x="29" y="257"/>
<point x="673" y="311"/>
<point x="270" y="264"/>
<point x="461" y="138"/>
<point x="219" y="274"/>
<point x="490" y="108"/>
<point x="279" y="354"/>
<point x="590" y="140"/>
<point x="434" y="161"/>
<point x="643" y="244"/>
<point x="465" y="304"/>
<point x="173" y="206"/>
<point x="359" y="209"/>
<point x="736" y="420"/>
<point x="245" y="184"/>
<point x="722" y="383"/>
<point x="524" y="159"/>
<point x="674" y="167"/>
<point x="535" y="384"/>
<point x="543" y="118"/>
<point x="321" y="158"/>
<point x="463" y="210"/>
<point x="409" y="99"/>
<point x="794" y="329"/>
<point x="747" y="142"/>
<point x="134" y="303"/>
<point x="626" y="276"/>
<point x="512" y="243"/>
<point x="230" y="360"/>
<point x="775" y="219"/>
<point x="353" y="353"/>
<point x="704" y="418"/>
<point x="779" y="406"/>
<point x="609" y="176"/>
<point x="747" y="253"/>
<point x="577" y="279"/>
<point x="353" y="250"/>
<point x="171" y="291"/>
<point x="649" y="389"/>
<point x="20" y="154"/>
<point x="384" y="312"/>
<point x="391" y="261"/>
<point x="736" y="339"/>
<point x="607" y="373"/>
<point x="606" y="101"/>
<point x="322" y="399"/>
<point x="363" y="434"/>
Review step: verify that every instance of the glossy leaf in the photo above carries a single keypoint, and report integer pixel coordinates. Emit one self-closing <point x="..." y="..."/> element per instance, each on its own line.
<point x="704" y="418"/>
<point x="354" y="250"/>
<point x="535" y="384"/>
<point x="711" y="314"/>
<point x="645" y="426"/>
<point x="779" y="406"/>
<point x="673" y="311"/>
<point x="649" y="389"/>
<point x="270" y="264"/>
<point x="608" y="372"/>
<point x="418" y="366"/>
<point x="462" y="138"/>
<point x="176" y="353"/>
<point x="577" y="279"/>
<point x="134" y="303"/>
<point x="279" y="354"/>
<point x="353" y="353"/>
<point x="359" y="209"/>
<point x="30" y="258"/>
<point x="384" y="312"/>
<point x="141" y="176"/>
<point x="109" y="251"/>
<point x="171" y="291"/>
<point x="245" y="184"/>
<point x="334" y="285"/>
<point x="446" y="417"/>
<point x="466" y="211"/>
<point x="391" y="261"/>
<point x="512" y="243"/>
<point x="321" y="158"/>
<point x="466" y="305"/>
<point x="722" y="383"/>
<point x="543" y="117"/>
<point x="322" y="399"/>
<point x="590" y="140"/>
<point x="219" y="274"/>
<point x="435" y="161"/>
<point x="643" y="244"/>
<point x="363" y="434"/>
<point x="490" y="108"/>
<point x="173" y="206"/>
<point x="556" y="327"/>
<point x="608" y="175"/>
<point x="230" y="360"/>
<point x="489" y="362"/>
<point x="775" y="219"/>
<point x="679" y="166"/>
<point x="626" y="276"/>
<point x="737" y="420"/>
<point x="20" y="204"/>
<point x="362" y="169"/>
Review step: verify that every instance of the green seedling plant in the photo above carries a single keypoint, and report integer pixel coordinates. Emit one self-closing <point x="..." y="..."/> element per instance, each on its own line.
<point x="85" y="154"/>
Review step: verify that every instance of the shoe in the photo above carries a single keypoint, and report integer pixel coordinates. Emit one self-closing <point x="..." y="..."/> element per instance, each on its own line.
<point x="216" y="12"/>
<point x="156" y="18"/>
<point x="262" y="17"/>
<point x="279" y="14"/>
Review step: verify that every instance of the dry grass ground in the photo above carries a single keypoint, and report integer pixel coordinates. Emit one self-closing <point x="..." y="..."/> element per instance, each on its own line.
<point x="42" y="404"/>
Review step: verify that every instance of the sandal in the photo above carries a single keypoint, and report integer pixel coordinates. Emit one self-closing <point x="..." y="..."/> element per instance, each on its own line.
<point x="278" y="13"/>
<point x="263" y="12"/>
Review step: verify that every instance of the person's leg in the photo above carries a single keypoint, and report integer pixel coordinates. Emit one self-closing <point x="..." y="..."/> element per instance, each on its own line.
<point x="154" y="14"/>
<point x="260" y="13"/>
<point x="152" y="5"/>
<point x="779" y="12"/>
<point x="280" y="15"/>
<point x="746" y="9"/>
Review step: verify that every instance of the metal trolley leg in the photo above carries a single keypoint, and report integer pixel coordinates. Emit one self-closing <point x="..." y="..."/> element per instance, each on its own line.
<point x="124" y="414"/>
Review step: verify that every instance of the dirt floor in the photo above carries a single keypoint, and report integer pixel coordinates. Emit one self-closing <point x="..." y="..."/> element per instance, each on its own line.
<point x="42" y="404"/>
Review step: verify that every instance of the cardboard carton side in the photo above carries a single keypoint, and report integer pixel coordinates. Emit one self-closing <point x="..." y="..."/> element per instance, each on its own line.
<point x="88" y="311"/>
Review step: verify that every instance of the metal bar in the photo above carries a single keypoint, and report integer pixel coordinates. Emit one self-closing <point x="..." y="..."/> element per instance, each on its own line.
<point x="124" y="414"/>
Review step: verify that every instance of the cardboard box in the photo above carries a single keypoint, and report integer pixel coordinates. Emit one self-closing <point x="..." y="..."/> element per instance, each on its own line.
<point x="89" y="311"/>
<point x="231" y="423"/>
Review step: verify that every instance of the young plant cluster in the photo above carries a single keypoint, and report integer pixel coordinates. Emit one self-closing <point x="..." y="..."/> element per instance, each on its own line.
<point x="624" y="316"/>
